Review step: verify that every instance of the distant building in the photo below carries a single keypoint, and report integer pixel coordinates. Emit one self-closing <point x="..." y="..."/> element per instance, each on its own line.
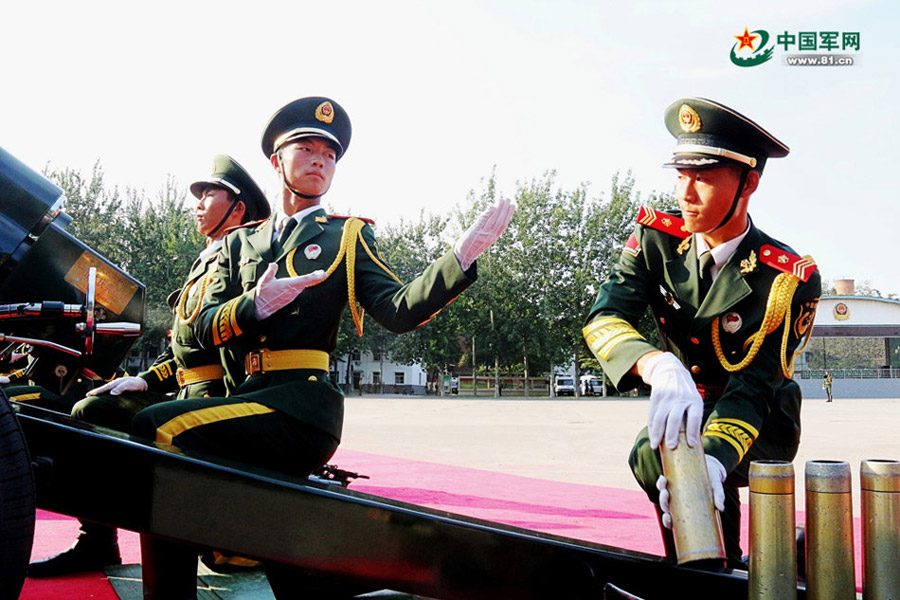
<point x="857" y="339"/>
<point x="374" y="374"/>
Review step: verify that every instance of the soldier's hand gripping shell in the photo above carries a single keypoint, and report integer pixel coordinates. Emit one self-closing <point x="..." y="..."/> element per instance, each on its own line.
<point x="120" y="385"/>
<point x="673" y="393"/>
<point x="273" y="294"/>
<point x="717" y="476"/>
<point x="483" y="233"/>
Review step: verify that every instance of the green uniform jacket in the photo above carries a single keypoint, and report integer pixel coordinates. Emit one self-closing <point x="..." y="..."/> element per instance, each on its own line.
<point x="184" y="351"/>
<point x="660" y="270"/>
<point x="311" y="321"/>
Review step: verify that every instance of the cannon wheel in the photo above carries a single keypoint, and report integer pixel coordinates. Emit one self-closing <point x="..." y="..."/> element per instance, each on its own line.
<point x="16" y="503"/>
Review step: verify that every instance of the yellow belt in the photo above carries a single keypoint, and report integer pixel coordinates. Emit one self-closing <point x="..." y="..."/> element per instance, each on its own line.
<point x="186" y="377"/>
<point x="265" y="360"/>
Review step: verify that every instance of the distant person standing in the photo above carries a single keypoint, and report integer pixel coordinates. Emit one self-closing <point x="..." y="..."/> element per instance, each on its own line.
<point x="826" y="385"/>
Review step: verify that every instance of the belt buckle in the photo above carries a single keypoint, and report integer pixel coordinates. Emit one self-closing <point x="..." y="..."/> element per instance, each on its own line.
<point x="179" y="377"/>
<point x="254" y="362"/>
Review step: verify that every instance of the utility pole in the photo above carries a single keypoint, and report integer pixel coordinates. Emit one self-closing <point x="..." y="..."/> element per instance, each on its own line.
<point x="474" y="372"/>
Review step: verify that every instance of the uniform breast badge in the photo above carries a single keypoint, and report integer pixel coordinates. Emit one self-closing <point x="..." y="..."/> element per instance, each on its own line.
<point x="312" y="251"/>
<point x="670" y="300"/>
<point x="731" y="322"/>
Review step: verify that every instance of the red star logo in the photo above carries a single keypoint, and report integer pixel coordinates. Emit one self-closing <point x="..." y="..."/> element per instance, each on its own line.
<point x="746" y="40"/>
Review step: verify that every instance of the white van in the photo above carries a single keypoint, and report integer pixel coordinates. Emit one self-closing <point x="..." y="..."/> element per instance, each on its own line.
<point x="563" y="385"/>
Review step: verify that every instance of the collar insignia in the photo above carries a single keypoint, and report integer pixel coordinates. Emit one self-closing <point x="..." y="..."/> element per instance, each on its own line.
<point x="748" y="265"/>
<point x="684" y="246"/>
<point x="321" y="219"/>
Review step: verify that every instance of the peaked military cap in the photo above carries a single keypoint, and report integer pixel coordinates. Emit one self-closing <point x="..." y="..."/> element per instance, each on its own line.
<point x="228" y="174"/>
<point x="710" y="135"/>
<point x="306" y="117"/>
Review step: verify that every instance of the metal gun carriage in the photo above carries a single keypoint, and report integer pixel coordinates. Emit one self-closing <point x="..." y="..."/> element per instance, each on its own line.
<point x="79" y="314"/>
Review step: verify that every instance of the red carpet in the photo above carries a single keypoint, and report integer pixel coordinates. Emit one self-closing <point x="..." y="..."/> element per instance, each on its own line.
<point x="610" y="516"/>
<point x="54" y="533"/>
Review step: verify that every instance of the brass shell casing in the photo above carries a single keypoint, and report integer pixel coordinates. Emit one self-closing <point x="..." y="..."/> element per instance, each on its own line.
<point x="773" y="549"/>
<point x="696" y="524"/>
<point x="830" y="572"/>
<point x="880" y="521"/>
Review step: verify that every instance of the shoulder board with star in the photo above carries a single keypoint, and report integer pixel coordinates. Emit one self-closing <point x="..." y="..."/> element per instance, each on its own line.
<point x="243" y="225"/>
<point x="369" y="221"/>
<point x="662" y="222"/>
<point x="800" y="267"/>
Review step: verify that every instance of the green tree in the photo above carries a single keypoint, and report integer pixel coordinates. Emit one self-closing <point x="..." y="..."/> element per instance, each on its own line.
<point x="95" y="210"/>
<point x="161" y="242"/>
<point x="408" y="248"/>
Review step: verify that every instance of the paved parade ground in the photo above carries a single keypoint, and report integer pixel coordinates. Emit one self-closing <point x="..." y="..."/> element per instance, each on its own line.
<point x="584" y="441"/>
<point x="557" y="466"/>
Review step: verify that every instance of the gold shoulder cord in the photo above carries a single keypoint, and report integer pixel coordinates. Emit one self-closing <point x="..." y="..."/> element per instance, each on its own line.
<point x="179" y="311"/>
<point x="352" y="231"/>
<point x="778" y="311"/>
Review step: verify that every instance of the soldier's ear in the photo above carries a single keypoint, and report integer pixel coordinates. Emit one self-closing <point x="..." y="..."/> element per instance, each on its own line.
<point x="240" y="210"/>
<point x="275" y="159"/>
<point x="751" y="184"/>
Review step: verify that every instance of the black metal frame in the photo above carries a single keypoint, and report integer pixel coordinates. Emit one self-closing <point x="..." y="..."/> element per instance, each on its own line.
<point x="99" y="475"/>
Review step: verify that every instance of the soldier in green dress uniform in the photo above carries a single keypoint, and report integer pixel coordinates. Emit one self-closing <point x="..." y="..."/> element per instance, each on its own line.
<point x="733" y="307"/>
<point x="275" y="303"/>
<point x="226" y="199"/>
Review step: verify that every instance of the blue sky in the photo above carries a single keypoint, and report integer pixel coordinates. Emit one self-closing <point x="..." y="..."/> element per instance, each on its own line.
<point x="441" y="93"/>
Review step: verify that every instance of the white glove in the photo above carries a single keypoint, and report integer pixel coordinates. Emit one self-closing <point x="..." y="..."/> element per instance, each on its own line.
<point x="273" y="294"/>
<point x="4" y="379"/>
<point x="122" y="384"/>
<point x="484" y="232"/>
<point x="672" y="395"/>
<point x="717" y="476"/>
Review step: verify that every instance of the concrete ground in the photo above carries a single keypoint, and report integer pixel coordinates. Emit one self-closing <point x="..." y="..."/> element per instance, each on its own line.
<point x="585" y="440"/>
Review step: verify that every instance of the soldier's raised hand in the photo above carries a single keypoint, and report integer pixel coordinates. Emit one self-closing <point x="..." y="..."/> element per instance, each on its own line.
<point x="122" y="384"/>
<point x="273" y="294"/>
<point x="673" y="394"/>
<point x="484" y="232"/>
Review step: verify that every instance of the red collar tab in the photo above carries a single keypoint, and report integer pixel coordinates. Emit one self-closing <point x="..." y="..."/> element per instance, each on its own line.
<point x="800" y="267"/>
<point x="663" y="222"/>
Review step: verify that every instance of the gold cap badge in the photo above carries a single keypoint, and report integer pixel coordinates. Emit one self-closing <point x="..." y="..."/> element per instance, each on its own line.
<point x="325" y="112"/>
<point x="688" y="119"/>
